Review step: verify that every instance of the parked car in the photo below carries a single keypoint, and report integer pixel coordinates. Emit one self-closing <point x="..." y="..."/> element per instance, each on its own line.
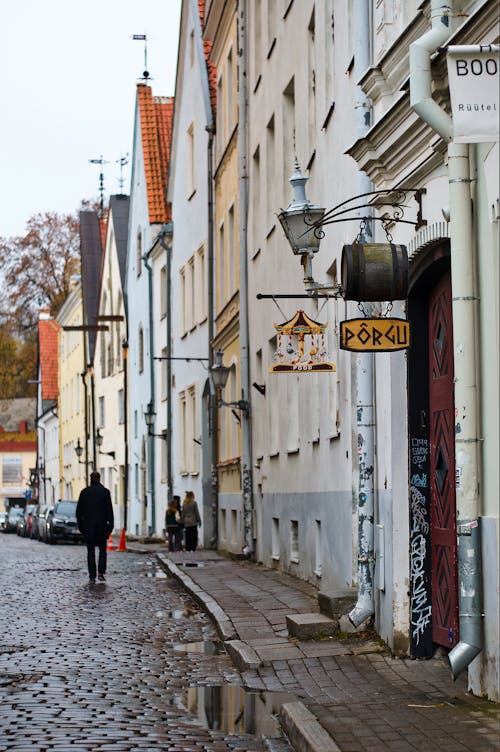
<point x="26" y="521"/>
<point x="13" y="518"/>
<point x="61" y="522"/>
<point x="3" y="520"/>
<point x="43" y="512"/>
<point x="35" y="518"/>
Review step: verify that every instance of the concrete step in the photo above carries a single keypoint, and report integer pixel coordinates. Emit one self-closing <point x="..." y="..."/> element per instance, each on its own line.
<point x="310" y="626"/>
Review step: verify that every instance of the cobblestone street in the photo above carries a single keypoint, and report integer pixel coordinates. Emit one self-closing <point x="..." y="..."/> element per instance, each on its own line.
<point x="113" y="666"/>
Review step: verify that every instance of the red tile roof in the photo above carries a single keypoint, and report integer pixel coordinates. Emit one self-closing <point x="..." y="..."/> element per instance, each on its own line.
<point x="155" y="117"/>
<point x="48" y="330"/>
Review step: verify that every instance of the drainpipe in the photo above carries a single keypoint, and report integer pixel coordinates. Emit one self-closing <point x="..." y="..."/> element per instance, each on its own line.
<point x="167" y="247"/>
<point x="464" y="336"/>
<point x="125" y="433"/>
<point x="246" y="439"/>
<point x="365" y="605"/>
<point x="212" y="400"/>
<point x="151" y="389"/>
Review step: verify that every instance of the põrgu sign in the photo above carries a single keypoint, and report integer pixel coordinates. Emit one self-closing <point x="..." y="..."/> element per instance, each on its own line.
<point x="474" y="79"/>
<point x="374" y="335"/>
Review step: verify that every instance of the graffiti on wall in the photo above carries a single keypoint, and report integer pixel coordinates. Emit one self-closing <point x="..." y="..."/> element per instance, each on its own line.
<point x="421" y="603"/>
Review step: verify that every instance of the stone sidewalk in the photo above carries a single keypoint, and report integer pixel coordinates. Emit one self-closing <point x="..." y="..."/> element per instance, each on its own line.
<point x="346" y="694"/>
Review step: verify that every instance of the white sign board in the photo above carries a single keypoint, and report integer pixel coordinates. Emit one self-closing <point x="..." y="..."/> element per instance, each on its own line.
<point x="474" y="78"/>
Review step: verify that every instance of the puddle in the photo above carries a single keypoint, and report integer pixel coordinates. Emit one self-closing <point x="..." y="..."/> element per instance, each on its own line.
<point x="177" y="613"/>
<point x="207" y="647"/>
<point x="159" y="574"/>
<point x="190" y="564"/>
<point x="234" y="710"/>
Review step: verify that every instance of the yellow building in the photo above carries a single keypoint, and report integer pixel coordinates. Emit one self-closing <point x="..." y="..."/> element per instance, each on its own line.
<point x="71" y="404"/>
<point x="221" y="29"/>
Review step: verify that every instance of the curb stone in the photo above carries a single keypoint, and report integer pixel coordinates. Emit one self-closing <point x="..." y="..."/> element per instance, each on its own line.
<point x="244" y="657"/>
<point x="304" y="731"/>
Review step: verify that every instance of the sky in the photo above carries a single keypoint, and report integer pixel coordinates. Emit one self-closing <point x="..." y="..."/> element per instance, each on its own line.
<point x="68" y="74"/>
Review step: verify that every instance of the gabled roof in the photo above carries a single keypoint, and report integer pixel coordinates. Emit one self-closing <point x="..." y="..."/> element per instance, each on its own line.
<point x="91" y="258"/>
<point x="119" y="206"/>
<point x="48" y="330"/>
<point x="155" y="119"/>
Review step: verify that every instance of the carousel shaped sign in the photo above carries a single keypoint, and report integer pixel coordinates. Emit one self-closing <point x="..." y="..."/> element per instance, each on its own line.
<point x="301" y="346"/>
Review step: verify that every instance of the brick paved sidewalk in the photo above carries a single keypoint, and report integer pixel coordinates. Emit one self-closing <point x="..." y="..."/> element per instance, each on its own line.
<point x="351" y="695"/>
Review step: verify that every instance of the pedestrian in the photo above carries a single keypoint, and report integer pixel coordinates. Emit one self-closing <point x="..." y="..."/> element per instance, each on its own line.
<point x="192" y="521"/>
<point x="94" y="514"/>
<point x="179" y="536"/>
<point x="172" y="525"/>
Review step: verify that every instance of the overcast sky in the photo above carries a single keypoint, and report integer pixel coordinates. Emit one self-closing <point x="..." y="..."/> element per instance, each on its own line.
<point x="68" y="72"/>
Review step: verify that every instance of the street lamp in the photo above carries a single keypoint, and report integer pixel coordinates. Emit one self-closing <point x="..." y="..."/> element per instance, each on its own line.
<point x="220" y="374"/>
<point x="149" y="417"/>
<point x="99" y="438"/>
<point x="79" y="452"/>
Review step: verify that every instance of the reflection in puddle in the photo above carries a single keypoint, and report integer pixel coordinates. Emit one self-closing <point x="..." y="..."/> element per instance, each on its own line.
<point x="158" y="573"/>
<point x="207" y="647"/>
<point x="234" y="710"/>
<point x="190" y="564"/>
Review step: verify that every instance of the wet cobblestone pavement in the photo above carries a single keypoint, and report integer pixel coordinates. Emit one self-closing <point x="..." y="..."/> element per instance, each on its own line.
<point x="112" y="666"/>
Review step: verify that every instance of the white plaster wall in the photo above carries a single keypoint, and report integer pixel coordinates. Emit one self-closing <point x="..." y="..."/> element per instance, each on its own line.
<point x="190" y="221"/>
<point x="317" y="465"/>
<point x="108" y="387"/>
<point x="137" y="314"/>
<point x="48" y="454"/>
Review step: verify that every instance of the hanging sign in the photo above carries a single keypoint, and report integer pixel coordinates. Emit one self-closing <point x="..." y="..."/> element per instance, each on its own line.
<point x="474" y="78"/>
<point x="374" y="335"/>
<point x="301" y="346"/>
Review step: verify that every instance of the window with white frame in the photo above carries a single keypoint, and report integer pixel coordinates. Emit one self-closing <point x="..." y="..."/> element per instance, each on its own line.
<point x="182" y="300"/>
<point x="230" y="92"/>
<point x="193" y="431"/>
<point x="191" y="294"/>
<point x="200" y="285"/>
<point x="189" y="440"/>
<point x="163" y="292"/>
<point x="294" y="541"/>
<point x="220" y="116"/>
<point x="141" y="349"/>
<point x="183" y="425"/>
<point x="164" y="365"/>
<point x="121" y="406"/>
<point x="101" y="412"/>
<point x="191" y="178"/>
<point x="288" y="136"/>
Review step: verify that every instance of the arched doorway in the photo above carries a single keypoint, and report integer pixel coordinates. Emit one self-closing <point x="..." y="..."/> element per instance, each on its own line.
<point x="433" y="549"/>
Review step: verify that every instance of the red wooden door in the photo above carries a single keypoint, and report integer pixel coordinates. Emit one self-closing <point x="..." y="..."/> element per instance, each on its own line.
<point x="442" y="467"/>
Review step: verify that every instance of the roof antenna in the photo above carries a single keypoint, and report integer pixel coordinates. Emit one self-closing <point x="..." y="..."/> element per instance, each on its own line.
<point x="122" y="162"/>
<point x="101" y="161"/>
<point x="143" y="38"/>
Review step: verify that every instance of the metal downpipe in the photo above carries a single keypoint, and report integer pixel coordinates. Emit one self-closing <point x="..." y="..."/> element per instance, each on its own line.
<point x="365" y="424"/>
<point x="464" y="335"/>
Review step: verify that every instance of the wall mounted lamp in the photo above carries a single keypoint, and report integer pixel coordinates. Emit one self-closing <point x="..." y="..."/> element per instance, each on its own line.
<point x="99" y="438"/>
<point x="220" y="374"/>
<point x="149" y="417"/>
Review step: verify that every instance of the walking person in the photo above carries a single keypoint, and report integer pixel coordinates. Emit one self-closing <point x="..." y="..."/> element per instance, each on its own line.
<point x="94" y="514"/>
<point x="172" y="525"/>
<point x="192" y="521"/>
<point x="179" y="535"/>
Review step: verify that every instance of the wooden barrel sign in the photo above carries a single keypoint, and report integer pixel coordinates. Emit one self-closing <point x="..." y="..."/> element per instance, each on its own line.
<point x="374" y="271"/>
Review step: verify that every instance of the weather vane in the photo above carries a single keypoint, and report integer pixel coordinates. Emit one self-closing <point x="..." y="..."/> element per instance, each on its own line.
<point x="143" y="38"/>
<point x="122" y="162"/>
<point x="101" y="161"/>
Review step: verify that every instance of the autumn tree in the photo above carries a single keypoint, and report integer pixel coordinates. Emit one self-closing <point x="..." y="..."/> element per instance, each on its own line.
<point x="18" y="361"/>
<point x="37" y="268"/>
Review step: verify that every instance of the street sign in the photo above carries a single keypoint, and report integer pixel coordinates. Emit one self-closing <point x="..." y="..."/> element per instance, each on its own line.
<point x="374" y="335"/>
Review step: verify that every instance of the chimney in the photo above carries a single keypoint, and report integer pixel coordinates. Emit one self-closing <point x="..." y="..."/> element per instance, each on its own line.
<point x="22" y="426"/>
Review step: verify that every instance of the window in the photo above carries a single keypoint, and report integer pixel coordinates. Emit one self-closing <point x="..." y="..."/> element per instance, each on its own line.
<point x="101" y="412"/>
<point x="183" y="460"/>
<point x="257" y="222"/>
<point x="288" y="137"/>
<point x="164" y="458"/>
<point x="182" y="301"/>
<point x="317" y="548"/>
<point x="223" y="525"/>
<point x="270" y="172"/>
<point x="136" y="480"/>
<point x="188" y="417"/>
<point x="292" y="413"/>
<point x="136" y="424"/>
<point x="190" y="294"/>
<point x="191" y="182"/>
<point x="220" y="116"/>
<point x="200" y="286"/>
<point x="230" y="93"/>
<point x="222" y="266"/>
<point x="193" y="430"/>
<point x="163" y="292"/>
<point x="121" y="406"/>
<point x="232" y="251"/>
<point x="102" y="347"/>
<point x="164" y="385"/>
<point x="275" y="539"/>
<point x="139" y="252"/>
<point x="311" y="84"/>
<point x="294" y="541"/>
<point x="141" y="350"/>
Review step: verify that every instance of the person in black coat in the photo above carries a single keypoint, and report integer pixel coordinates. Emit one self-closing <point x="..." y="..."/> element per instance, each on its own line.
<point x="94" y="514"/>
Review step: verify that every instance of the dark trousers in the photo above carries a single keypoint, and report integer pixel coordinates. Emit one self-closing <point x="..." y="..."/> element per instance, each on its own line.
<point x="191" y="537"/>
<point x="91" y="558"/>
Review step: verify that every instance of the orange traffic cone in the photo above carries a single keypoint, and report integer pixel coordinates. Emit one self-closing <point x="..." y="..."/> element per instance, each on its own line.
<point x="110" y="546"/>
<point x="122" y="546"/>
